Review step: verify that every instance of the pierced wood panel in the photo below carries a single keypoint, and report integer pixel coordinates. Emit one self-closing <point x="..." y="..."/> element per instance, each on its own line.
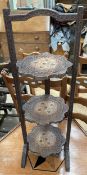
<point x="44" y="66"/>
<point x="45" y="140"/>
<point x="45" y="109"/>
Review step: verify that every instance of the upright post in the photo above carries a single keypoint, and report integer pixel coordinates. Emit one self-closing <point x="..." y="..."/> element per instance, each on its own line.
<point x="73" y="81"/>
<point x="12" y="53"/>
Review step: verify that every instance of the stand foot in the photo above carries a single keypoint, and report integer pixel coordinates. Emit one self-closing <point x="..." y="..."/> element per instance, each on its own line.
<point x="67" y="159"/>
<point x="24" y="155"/>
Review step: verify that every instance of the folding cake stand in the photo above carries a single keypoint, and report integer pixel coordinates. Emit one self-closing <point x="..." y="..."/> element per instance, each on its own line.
<point x="46" y="109"/>
<point x="44" y="139"/>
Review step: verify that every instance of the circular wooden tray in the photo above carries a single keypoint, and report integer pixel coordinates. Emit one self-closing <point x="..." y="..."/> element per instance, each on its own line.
<point x="45" y="109"/>
<point x="43" y="66"/>
<point x="45" y="140"/>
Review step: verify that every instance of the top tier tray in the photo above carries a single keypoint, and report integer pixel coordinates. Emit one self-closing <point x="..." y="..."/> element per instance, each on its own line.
<point x="43" y="66"/>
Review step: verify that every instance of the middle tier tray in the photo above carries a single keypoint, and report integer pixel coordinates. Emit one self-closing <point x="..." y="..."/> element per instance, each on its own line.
<point x="45" y="109"/>
<point x="43" y="66"/>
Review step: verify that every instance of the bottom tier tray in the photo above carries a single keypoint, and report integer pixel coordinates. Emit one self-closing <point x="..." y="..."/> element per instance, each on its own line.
<point x="45" y="140"/>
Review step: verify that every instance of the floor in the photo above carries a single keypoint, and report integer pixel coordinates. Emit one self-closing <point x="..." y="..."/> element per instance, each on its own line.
<point x="11" y="150"/>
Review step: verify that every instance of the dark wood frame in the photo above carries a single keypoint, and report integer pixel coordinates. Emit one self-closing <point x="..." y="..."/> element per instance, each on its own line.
<point x="8" y="18"/>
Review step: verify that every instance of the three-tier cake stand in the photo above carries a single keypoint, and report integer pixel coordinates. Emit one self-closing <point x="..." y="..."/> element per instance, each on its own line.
<point x="44" y="139"/>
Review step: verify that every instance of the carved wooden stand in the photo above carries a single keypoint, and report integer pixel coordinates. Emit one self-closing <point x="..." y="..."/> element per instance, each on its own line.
<point x="44" y="139"/>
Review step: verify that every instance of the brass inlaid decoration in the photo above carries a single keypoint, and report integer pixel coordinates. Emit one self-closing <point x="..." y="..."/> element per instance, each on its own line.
<point x="45" y="140"/>
<point x="45" y="109"/>
<point x="44" y="66"/>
